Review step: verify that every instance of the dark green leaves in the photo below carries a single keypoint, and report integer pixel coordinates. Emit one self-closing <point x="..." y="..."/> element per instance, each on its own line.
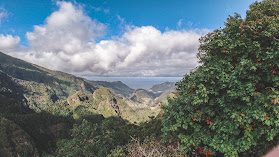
<point x="230" y="103"/>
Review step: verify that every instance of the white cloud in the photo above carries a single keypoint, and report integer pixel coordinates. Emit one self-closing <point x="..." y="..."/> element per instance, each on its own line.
<point x="66" y="42"/>
<point x="68" y="30"/>
<point x="8" y="43"/>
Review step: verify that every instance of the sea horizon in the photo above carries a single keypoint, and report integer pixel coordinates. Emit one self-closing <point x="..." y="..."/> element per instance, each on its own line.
<point x="137" y="82"/>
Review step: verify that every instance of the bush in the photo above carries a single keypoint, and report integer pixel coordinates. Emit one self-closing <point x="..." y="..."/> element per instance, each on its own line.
<point x="229" y="104"/>
<point x="152" y="147"/>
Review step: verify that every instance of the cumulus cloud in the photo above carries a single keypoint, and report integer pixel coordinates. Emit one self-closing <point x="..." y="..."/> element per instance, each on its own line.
<point x="141" y="51"/>
<point x="68" y="30"/>
<point x="8" y="43"/>
<point x="149" y="52"/>
<point x="66" y="42"/>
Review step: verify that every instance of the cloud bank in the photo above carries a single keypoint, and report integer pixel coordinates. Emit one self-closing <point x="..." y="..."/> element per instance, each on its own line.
<point x="67" y="42"/>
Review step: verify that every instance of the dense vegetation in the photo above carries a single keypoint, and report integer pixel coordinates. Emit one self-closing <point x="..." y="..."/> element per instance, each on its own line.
<point x="229" y="105"/>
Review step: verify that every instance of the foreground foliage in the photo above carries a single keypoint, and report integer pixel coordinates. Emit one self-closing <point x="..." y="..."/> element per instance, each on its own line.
<point x="94" y="139"/>
<point x="229" y="105"/>
<point x="112" y="137"/>
<point x="15" y="141"/>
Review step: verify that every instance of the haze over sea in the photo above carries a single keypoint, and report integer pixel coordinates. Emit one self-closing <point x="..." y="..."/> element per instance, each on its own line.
<point x="137" y="82"/>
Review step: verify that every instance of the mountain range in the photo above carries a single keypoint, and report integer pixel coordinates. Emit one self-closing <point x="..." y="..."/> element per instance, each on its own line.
<point x="38" y="104"/>
<point x="38" y="88"/>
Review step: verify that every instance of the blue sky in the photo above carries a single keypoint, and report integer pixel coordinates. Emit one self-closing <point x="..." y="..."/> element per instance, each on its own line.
<point x="121" y="25"/>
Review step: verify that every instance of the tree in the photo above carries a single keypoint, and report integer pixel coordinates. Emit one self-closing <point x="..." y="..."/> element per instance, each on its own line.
<point x="229" y="104"/>
<point x="93" y="139"/>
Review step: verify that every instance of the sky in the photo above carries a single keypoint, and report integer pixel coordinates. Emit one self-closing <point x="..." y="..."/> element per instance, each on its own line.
<point x="120" y="38"/>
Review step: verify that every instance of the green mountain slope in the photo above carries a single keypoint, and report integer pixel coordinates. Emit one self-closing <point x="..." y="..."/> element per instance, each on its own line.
<point x="42" y="87"/>
<point x="25" y="86"/>
<point x="142" y="96"/>
<point x="11" y="96"/>
<point x="119" y="88"/>
<point x="160" y="88"/>
<point x="103" y="101"/>
<point x="163" y="98"/>
<point x="109" y="104"/>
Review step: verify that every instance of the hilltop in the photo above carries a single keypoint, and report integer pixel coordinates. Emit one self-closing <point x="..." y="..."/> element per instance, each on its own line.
<point x="160" y="88"/>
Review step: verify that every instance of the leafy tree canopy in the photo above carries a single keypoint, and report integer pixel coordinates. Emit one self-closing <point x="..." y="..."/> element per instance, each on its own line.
<point x="229" y="104"/>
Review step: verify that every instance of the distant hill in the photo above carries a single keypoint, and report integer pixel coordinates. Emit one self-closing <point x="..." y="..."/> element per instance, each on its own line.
<point x="144" y="103"/>
<point x="140" y="94"/>
<point x="120" y="89"/>
<point x="163" y="98"/>
<point x="160" y="88"/>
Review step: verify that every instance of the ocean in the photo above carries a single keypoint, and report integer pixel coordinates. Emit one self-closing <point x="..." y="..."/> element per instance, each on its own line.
<point x="137" y="82"/>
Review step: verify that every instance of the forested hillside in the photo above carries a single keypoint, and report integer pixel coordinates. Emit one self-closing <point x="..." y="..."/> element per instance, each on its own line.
<point x="42" y="87"/>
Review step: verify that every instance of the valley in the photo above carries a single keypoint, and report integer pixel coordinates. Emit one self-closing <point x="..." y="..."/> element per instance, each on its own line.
<point x="40" y="106"/>
<point x="40" y="88"/>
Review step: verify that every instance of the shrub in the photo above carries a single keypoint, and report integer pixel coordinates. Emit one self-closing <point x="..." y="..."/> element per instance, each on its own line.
<point x="229" y="104"/>
<point x="151" y="147"/>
